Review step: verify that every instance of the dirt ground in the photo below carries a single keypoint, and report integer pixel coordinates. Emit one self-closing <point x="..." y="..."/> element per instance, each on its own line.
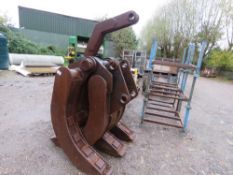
<point x="205" y="149"/>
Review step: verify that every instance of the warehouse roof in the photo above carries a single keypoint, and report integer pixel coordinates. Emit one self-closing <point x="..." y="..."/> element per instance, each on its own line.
<point x="55" y="23"/>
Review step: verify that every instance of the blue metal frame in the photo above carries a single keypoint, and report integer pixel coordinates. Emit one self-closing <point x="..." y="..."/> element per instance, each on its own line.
<point x="188" y="60"/>
<point x="152" y="53"/>
<point x="196" y="75"/>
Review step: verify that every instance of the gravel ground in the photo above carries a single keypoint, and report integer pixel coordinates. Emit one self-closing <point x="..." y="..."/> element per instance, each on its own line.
<point x="205" y="149"/>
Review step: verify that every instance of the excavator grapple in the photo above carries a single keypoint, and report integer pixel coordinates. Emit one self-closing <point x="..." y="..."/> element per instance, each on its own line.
<point x="88" y="101"/>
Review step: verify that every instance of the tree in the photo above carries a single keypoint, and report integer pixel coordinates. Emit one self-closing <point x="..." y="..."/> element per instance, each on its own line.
<point x="4" y="24"/>
<point x="184" y="21"/>
<point x="228" y="19"/>
<point x="124" y="39"/>
<point x="209" y="27"/>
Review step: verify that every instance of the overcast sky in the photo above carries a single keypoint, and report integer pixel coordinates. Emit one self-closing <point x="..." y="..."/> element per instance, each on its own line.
<point x="86" y="8"/>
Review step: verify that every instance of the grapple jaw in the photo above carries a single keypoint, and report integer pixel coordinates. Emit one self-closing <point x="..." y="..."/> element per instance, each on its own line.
<point x="88" y="102"/>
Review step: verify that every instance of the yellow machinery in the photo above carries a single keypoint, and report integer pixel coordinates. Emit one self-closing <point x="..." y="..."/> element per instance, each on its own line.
<point x="134" y="72"/>
<point x="71" y="50"/>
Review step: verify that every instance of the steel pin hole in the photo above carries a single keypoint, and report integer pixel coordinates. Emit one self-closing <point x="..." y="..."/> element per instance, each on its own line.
<point x="131" y="17"/>
<point x="123" y="99"/>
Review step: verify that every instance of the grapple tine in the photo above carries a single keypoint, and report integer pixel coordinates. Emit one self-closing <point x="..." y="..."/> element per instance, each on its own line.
<point x="97" y="110"/>
<point x="111" y="145"/>
<point x="121" y="131"/>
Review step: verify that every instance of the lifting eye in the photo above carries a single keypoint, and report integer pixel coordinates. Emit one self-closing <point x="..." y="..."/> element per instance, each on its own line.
<point x="131" y="17"/>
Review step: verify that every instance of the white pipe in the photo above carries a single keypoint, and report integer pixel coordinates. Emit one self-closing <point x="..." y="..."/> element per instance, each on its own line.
<point x="35" y="60"/>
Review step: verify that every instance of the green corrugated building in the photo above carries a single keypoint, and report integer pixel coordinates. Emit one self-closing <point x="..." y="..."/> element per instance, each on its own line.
<point x="55" y="23"/>
<point x="48" y="28"/>
<point x="52" y="28"/>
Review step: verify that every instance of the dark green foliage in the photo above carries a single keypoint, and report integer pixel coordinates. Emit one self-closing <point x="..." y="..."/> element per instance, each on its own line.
<point x="222" y="60"/>
<point x="19" y="44"/>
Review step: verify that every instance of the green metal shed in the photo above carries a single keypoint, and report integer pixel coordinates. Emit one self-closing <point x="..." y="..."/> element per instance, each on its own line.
<point x="48" y="28"/>
<point x="55" y="23"/>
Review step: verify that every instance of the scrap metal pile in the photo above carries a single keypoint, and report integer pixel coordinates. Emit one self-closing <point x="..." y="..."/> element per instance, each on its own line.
<point x="88" y="102"/>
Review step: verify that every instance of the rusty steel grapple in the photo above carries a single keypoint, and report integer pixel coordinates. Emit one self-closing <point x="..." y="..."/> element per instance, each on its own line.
<point x="88" y="102"/>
